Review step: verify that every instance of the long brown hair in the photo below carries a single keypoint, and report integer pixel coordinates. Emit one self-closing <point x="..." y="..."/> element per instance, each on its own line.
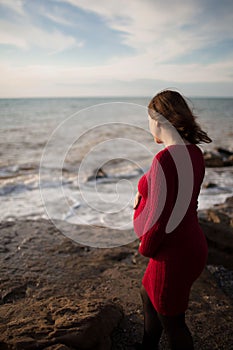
<point x="171" y="105"/>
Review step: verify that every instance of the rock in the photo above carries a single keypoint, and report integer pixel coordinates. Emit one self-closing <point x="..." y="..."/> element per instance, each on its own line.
<point x="229" y="202"/>
<point x="213" y="159"/>
<point x="97" y="174"/>
<point x="209" y="185"/>
<point x="218" y="217"/>
<point x="221" y="214"/>
<point x="224" y="152"/>
<point x="90" y="298"/>
<point x="57" y="347"/>
<point x="86" y="325"/>
<point x="221" y="157"/>
<point x="94" y="331"/>
<point x="228" y="161"/>
<point x="220" y="243"/>
<point x="224" y="278"/>
<point x="225" y="211"/>
<point x="24" y="343"/>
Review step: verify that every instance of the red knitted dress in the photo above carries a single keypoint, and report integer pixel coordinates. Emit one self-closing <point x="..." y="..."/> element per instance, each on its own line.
<point x="167" y="225"/>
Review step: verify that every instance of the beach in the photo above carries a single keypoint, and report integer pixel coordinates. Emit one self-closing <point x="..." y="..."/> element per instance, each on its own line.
<point x="57" y="294"/>
<point x="106" y="109"/>
<point x="70" y="267"/>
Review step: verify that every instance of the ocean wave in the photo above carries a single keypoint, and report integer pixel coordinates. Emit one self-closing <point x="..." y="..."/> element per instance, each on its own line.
<point x="16" y="188"/>
<point x="102" y="176"/>
<point x="11" y="171"/>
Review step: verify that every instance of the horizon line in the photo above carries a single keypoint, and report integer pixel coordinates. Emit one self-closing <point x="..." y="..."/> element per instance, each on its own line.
<point x="108" y="96"/>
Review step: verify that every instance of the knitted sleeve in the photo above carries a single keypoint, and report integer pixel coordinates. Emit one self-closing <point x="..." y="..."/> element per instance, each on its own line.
<point x="151" y="222"/>
<point x="138" y="219"/>
<point x="143" y="186"/>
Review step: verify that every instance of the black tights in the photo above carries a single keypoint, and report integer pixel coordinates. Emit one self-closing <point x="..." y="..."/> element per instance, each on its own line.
<point x="178" y="334"/>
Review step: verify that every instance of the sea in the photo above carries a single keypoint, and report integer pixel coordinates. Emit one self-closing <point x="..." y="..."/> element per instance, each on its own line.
<point x="53" y="148"/>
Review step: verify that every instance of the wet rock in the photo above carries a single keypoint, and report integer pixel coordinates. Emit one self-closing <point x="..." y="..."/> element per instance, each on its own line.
<point x="97" y="174"/>
<point x="228" y="161"/>
<point x="213" y="159"/>
<point x="218" y="217"/>
<point x="209" y="185"/>
<point x="220" y="213"/>
<point x="228" y="202"/>
<point x="225" y="152"/>
<point x="224" y="211"/>
<point x="221" y="157"/>
<point x="217" y="223"/>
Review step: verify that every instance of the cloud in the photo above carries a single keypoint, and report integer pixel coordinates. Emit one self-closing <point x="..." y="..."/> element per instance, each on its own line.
<point x="15" y="5"/>
<point x="142" y="23"/>
<point x="120" y="78"/>
<point x="119" y="71"/>
<point x="160" y="33"/>
<point x="26" y="36"/>
<point x="168" y="29"/>
<point x="57" y="19"/>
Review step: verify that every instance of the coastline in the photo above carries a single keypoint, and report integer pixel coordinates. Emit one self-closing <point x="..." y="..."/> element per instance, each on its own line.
<point x="57" y="294"/>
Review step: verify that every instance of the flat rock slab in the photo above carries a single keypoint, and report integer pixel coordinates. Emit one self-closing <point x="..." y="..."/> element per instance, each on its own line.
<point x="42" y="324"/>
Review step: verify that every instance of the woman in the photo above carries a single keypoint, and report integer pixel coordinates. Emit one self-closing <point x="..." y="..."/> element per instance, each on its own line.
<point x="165" y="220"/>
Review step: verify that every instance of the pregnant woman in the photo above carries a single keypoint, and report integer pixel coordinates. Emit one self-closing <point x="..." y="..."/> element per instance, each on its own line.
<point x="165" y="220"/>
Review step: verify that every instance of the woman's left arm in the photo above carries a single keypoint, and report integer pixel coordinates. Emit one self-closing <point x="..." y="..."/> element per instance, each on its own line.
<point x="160" y="202"/>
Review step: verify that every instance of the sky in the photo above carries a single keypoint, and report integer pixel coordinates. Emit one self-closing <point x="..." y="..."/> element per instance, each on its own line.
<point x="55" y="48"/>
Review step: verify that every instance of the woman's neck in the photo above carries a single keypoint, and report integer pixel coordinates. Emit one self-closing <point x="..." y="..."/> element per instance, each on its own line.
<point x="175" y="141"/>
<point x="173" y="138"/>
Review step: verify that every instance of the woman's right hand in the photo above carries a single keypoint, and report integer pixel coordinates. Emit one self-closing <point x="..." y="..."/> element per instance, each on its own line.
<point x="137" y="200"/>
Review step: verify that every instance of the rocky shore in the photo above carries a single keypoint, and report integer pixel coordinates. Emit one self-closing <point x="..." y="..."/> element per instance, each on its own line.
<point x="220" y="157"/>
<point x="58" y="295"/>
